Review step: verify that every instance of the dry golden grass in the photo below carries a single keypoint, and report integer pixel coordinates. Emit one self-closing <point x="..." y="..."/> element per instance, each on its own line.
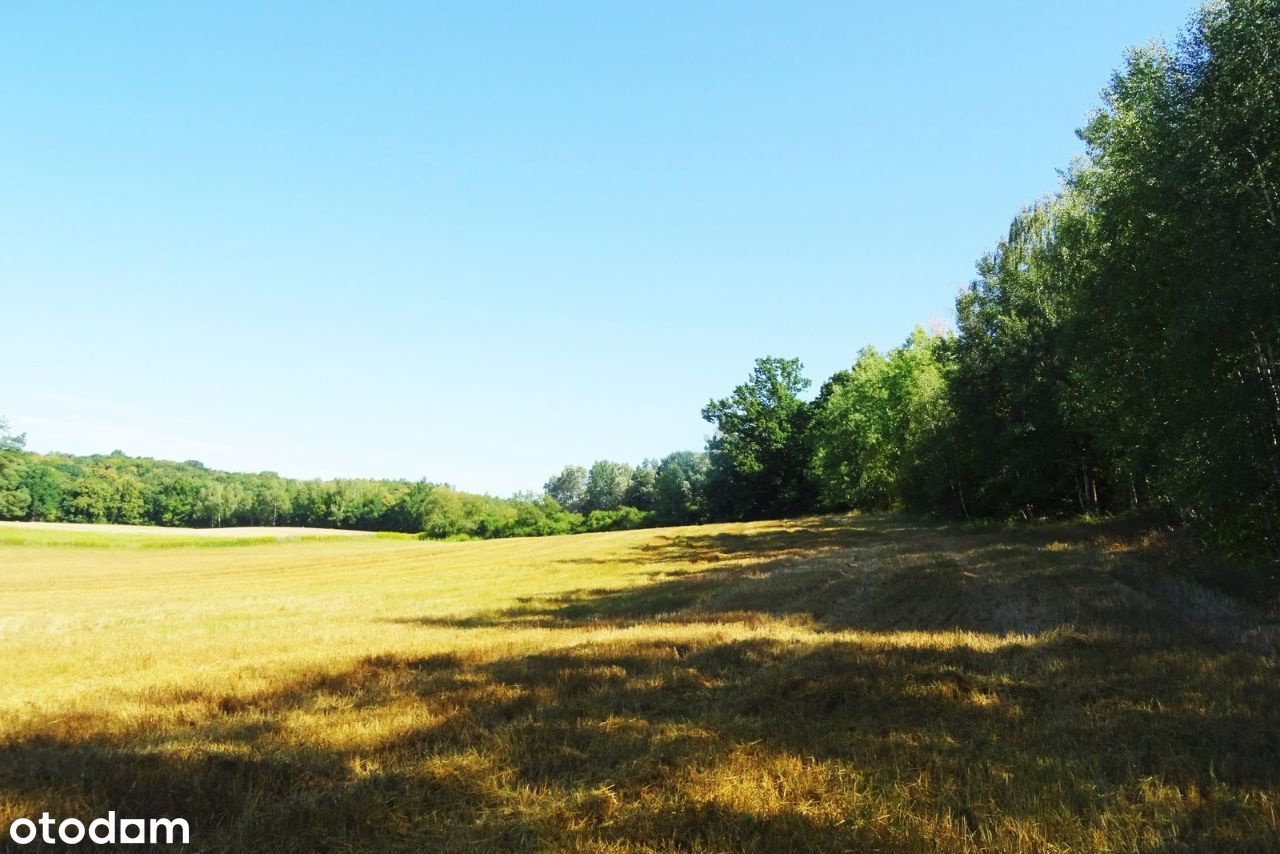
<point x="851" y="683"/>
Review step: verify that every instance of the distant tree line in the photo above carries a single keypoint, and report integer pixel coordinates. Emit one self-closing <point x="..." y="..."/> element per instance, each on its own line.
<point x="141" y="491"/>
<point x="1116" y="351"/>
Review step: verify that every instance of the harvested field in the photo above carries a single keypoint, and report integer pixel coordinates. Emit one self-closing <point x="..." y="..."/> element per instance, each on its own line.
<point x="831" y="683"/>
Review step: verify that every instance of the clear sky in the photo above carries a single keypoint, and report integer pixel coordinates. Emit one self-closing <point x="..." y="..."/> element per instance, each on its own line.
<point x="474" y="242"/>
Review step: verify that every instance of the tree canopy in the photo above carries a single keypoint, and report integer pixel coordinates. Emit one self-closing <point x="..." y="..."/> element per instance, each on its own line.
<point x="758" y="452"/>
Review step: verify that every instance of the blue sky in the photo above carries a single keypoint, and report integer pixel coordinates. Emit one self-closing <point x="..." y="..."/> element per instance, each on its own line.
<point x="476" y="242"/>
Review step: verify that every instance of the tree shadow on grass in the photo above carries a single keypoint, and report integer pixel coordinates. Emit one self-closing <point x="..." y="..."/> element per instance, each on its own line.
<point x="301" y="801"/>
<point x="887" y="574"/>
<point x="647" y="744"/>
<point x="499" y="766"/>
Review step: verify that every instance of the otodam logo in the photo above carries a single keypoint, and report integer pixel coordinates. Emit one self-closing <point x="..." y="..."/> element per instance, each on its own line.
<point x="102" y="831"/>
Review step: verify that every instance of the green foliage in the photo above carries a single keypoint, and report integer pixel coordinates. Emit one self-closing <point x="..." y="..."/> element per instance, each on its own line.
<point x="643" y="489"/>
<point x="1020" y="449"/>
<point x="47" y="488"/>
<point x="15" y="497"/>
<point x="876" y="427"/>
<point x="446" y="514"/>
<point x="671" y="491"/>
<point x="622" y="519"/>
<point x="1180" y="306"/>
<point x="142" y="491"/>
<point x="607" y="484"/>
<point x="850" y="433"/>
<point x="681" y="488"/>
<point x="759" y="454"/>
<point x="569" y="488"/>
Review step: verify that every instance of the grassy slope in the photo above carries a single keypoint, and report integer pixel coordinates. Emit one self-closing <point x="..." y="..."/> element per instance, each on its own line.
<point x="833" y="683"/>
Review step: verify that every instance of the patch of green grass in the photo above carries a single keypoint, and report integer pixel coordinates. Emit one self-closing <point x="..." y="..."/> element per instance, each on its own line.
<point x="395" y="535"/>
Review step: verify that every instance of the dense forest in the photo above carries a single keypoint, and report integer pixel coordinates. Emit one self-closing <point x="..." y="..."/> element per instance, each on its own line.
<point x="1115" y="352"/>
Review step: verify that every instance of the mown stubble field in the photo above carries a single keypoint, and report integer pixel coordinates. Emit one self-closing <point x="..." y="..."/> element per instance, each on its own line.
<point x="833" y="683"/>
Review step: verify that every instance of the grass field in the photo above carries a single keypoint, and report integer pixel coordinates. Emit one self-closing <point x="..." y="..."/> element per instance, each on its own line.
<point x="842" y="683"/>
